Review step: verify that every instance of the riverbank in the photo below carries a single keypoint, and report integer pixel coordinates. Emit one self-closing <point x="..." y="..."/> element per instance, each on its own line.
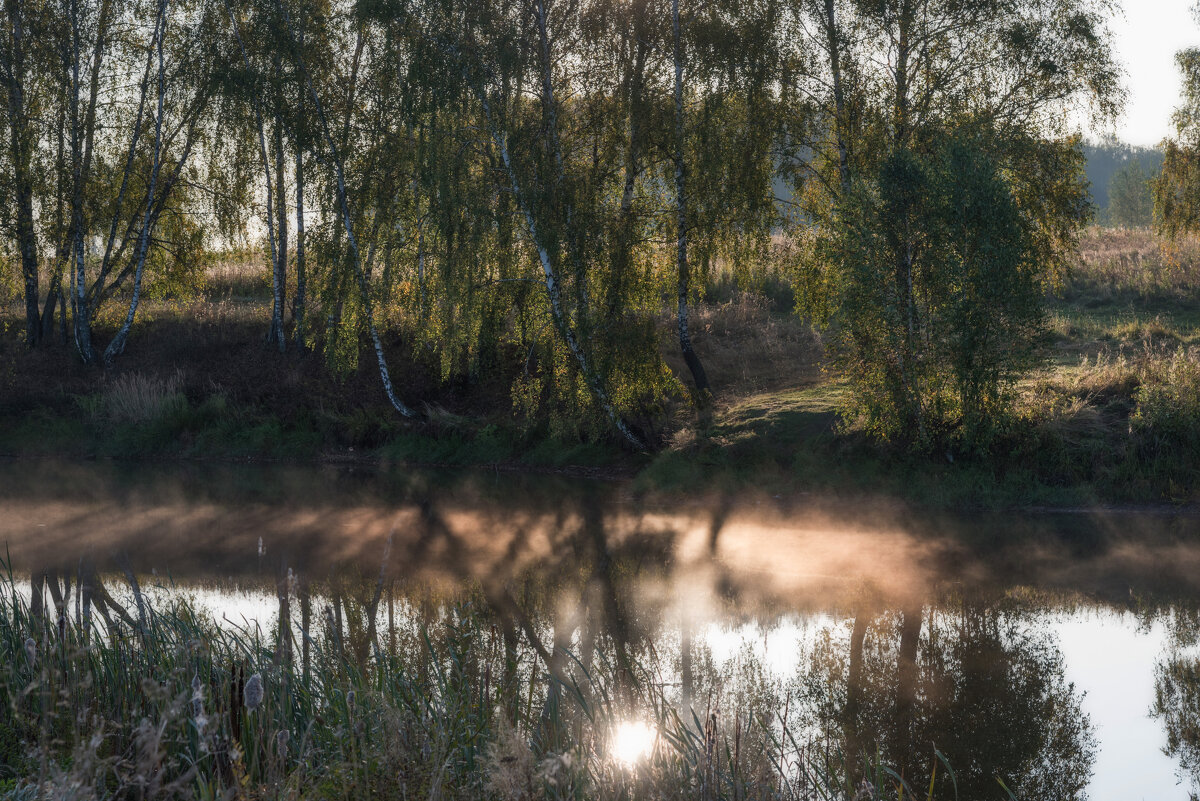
<point x="1112" y="419"/>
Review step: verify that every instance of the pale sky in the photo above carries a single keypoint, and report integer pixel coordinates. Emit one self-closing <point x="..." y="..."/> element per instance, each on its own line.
<point x="1147" y="37"/>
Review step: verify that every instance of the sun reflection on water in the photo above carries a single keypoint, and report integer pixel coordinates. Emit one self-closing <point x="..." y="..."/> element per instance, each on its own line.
<point x="632" y="742"/>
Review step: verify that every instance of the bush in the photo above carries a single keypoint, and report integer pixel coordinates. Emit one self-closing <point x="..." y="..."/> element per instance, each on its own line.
<point x="940" y="297"/>
<point x="1167" y="414"/>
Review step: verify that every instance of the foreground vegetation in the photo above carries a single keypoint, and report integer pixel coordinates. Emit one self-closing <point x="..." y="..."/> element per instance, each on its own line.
<point x="450" y="698"/>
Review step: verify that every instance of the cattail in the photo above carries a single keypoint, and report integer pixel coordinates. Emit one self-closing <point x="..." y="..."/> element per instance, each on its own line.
<point x="30" y="651"/>
<point x="866" y="791"/>
<point x="253" y="693"/>
<point x="350" y="698"/>
<point x="197" y="696"/>
<point x="281" y="742"/>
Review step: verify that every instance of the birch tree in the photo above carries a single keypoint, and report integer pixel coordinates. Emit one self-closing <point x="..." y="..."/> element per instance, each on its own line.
<point x="898" y="88"/>
<point x="553" y="191"/>
<point x="256" y="92"/>
<point x="134" y="132"/>
<point x="360" y="266"/>
<point x="19" y="67"/>
<point x="1177" y="188"/>
<point x="724" y="65"/>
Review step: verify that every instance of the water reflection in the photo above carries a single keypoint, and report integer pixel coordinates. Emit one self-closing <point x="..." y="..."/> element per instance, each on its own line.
<point x="973" y="680"/>
<point x="632" y="741"/>
<point x="781" y="635"/>
<point x="1177" y="696"/>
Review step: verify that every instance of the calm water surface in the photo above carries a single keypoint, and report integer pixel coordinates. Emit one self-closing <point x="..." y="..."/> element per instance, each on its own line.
<point x="1058" y="652"/>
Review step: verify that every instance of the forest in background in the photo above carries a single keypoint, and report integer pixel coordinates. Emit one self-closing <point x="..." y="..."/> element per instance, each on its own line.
<point x="551" y="231"/>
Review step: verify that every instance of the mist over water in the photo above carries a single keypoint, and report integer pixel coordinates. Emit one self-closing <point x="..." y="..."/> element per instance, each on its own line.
<point x="1057" y="652"/>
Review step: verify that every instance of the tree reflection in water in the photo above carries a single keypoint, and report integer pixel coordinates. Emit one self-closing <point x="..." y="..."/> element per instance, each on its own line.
<point x="540" y="612"/>
<point x="972" y="680"/>
<point x="1177" y="694"/>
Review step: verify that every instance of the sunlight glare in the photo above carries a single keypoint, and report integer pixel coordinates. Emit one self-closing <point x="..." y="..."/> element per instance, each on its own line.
<point x="632" y="741"/>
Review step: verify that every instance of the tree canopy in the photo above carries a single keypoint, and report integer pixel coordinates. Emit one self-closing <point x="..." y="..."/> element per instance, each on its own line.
<point x="533" y="186"/>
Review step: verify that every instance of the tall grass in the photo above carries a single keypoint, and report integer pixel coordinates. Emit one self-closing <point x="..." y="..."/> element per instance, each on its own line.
<point x="1135" y="262"/>
<point x="136" y="398"/>
<point x="169" y="704"/>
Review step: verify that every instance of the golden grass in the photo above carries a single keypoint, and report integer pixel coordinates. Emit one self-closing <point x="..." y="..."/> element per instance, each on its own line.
<point x="138" y="398"/>
<point x="748" y="348"/>
<point x="1136" y="261"/>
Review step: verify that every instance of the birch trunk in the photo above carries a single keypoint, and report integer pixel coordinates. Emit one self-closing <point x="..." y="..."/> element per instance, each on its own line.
<point x="54" y="294"/>
<point x="298" y="307"/>
<point x="21" y="147"/>
<point x="107" y="260"/>
<point x="550" y="277"/>
<point x="83" y="131"/>
<point x="681" y="219"/>
<point x="281" y="258"/>
<point x="117" y="346"/>
<point x="344" y="207"/>
<point x="833" y="39"/>
<point x="623" y="247"/>
<point x="81" y="313"/>
<point x="275" y="333"/>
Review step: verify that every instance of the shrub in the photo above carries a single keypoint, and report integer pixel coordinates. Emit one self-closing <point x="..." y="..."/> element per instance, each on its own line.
<point x="940" y="297"/>
<point x="1167" y="414"/>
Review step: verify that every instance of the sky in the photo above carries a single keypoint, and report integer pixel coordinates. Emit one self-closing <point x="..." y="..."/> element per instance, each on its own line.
<point x="1147" y="36"/>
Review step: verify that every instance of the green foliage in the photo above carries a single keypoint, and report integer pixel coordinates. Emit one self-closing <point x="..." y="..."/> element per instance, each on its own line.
<point x="939" y="310"/>
<point x="1177" y="190"/>
<point x="1167" y="416"/>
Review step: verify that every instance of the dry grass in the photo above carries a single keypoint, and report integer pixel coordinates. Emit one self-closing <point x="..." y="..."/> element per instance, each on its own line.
<point x="138" y="398"/>
<point x="748" y="348"/>
<point x="1136" y="261"/>
<point x="1120" y="384"/>
<point x="240" y="274"/>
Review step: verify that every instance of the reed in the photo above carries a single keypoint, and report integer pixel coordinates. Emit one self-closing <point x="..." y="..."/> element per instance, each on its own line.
<point x="168" y="703"/>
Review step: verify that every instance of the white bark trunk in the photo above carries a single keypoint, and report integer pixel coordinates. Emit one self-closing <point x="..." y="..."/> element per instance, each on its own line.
<point x="275" y="333"/>
<point x="117" y="346"/>
<point x="550" y="279"/>
<point x="81" y="314"/>
<point x="384" y="374"/>
<point x="681" y="217"/>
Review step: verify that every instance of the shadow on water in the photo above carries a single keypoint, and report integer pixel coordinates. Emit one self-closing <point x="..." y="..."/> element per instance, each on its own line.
<point x="926" y="642"/>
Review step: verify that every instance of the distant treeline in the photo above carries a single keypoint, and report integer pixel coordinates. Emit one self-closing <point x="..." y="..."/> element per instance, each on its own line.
<point x="1119" y="177"/>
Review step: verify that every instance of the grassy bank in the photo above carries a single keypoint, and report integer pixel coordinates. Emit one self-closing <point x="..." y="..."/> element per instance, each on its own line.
<point x="1113" y="417"/>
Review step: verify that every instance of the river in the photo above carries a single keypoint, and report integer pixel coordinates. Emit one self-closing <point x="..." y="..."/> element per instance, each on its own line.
<point x="1056" y="652"/>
